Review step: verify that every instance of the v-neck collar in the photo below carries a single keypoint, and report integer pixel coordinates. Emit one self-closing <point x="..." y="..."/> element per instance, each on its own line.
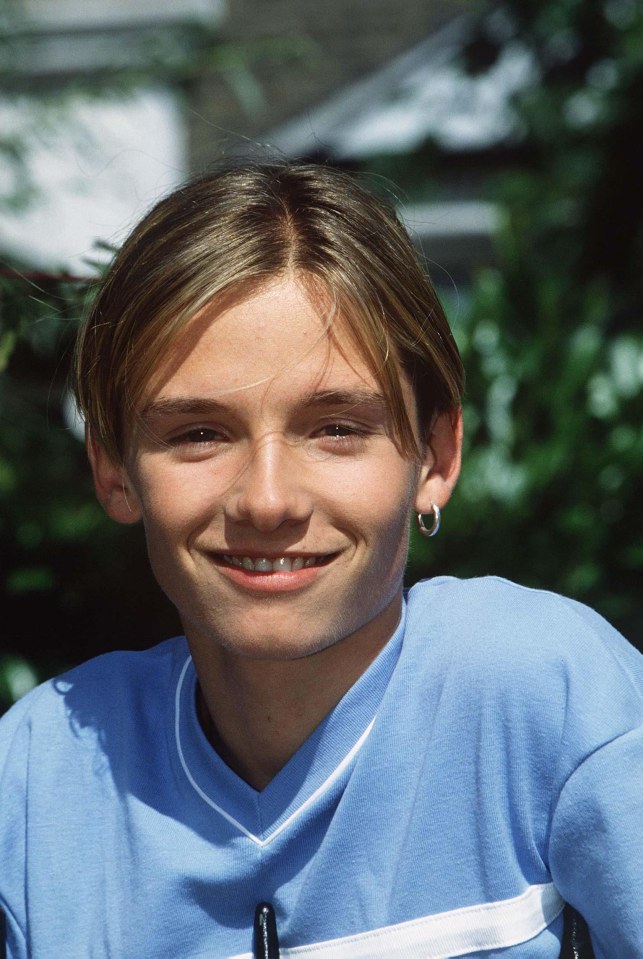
<point x="324" y="758"/>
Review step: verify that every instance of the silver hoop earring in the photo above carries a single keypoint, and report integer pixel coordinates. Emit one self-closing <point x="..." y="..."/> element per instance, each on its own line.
<point x="125" y="498"/>
<point x="435" y="525"/>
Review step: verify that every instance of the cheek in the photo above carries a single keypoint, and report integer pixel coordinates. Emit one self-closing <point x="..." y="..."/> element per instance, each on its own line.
<point x="168" y="516"/>
<point x="171" y="501"/>
<point x="391" y="493"/>
<point x="393" y="542"/>
<point x="386" y="507"/>
<point x="167" y="535"/>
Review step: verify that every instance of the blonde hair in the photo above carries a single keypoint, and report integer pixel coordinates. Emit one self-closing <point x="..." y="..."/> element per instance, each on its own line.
<point x="241" y="228"/>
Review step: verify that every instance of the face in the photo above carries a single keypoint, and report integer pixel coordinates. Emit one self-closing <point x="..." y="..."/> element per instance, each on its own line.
<point x="274" y="498"/>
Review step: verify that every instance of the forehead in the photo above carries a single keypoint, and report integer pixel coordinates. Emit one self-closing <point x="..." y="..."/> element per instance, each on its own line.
<point x="282" y="335"/>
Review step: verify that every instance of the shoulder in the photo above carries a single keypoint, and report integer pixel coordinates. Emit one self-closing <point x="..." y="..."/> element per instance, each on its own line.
<point x="491" y="616"/>
<point x="70" y="744"/>
<point x="542" y="655"/>
<point x="106" y="689"/>
<point x="544" y="670"/>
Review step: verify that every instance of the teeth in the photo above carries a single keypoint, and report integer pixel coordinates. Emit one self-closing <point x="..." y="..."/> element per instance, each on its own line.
<point x="263" y="565"/>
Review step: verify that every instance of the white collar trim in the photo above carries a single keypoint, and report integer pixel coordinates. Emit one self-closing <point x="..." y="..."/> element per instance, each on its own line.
<point x="324" y="787"/>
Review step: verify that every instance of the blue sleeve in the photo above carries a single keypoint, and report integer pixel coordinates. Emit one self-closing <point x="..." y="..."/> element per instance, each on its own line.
<point x="596" y="838"/>
<point x="596" y="856"/>
<point x="15" y="945"/>
<point x="14" y="761"/>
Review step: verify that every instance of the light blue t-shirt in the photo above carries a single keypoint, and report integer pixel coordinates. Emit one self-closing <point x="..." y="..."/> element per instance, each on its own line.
<point x="488" y="765"/>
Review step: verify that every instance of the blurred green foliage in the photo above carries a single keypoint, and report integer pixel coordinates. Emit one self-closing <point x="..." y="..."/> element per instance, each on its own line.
<point x="551" y="337"/>
<point x="72" y="584"/>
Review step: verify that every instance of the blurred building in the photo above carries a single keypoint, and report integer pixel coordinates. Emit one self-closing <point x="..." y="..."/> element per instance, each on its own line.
<point x="365" y="79"/>
<point x="92" y="127"/>
<point x="108" y="104"/>
<point x="285" y="58"/>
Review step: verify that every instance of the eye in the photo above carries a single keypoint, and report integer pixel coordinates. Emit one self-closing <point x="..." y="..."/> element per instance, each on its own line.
<point x="340" y="430"/>
<point x="341" y="438"/>
<point x="201" y="435"/>
<point x="198" y="436"/>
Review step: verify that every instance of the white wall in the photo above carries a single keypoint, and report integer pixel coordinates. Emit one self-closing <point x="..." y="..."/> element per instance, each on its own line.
<point x="95" y="165"/>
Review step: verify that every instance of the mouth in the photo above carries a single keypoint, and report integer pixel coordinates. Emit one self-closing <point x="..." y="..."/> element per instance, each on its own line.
<point x="277" y="564"/>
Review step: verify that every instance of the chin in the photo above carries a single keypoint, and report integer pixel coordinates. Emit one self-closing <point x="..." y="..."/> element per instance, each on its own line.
<point x="274" y="648"/>
<point x="263" y="641"/>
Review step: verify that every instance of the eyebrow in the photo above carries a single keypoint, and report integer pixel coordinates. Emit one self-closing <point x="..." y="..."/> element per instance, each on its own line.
<point x="202" y="406"/>
<point x="181" y="406"/>
<point x="346" y="398"/>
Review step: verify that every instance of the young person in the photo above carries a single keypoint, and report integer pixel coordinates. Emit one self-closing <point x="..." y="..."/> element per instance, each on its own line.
<point x="271" y="387"/>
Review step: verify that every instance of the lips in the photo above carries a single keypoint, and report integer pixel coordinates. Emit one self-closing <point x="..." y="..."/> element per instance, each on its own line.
<point x="279" y="564"/>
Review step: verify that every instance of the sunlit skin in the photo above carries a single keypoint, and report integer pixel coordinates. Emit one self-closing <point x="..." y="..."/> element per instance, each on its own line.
<point x="276" y="507"/>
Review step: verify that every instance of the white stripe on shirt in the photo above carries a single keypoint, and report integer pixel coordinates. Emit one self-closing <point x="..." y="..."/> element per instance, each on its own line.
<point x="458" y="932"/>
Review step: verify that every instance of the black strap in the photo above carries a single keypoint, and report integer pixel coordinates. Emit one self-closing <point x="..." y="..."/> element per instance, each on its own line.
<point x="576" y="941"/>
<point x="266" y="943"/>
<point x="3" y="936"/>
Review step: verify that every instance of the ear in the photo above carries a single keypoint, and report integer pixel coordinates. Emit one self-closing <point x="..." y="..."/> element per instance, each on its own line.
<point x="113" y="488"/>
<point x="442" y="458"/>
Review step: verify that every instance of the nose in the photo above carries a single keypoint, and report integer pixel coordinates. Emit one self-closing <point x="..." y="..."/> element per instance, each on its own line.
<point x="271" y="489"/>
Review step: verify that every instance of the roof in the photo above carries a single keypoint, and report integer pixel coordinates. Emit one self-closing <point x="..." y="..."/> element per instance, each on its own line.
<point x="422" y="94"/>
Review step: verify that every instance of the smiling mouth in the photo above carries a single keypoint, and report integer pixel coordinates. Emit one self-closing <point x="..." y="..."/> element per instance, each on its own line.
<point x="280" y="564"/>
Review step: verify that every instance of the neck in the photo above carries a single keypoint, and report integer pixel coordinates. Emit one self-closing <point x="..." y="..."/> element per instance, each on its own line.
<point x="257" y="713"/>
